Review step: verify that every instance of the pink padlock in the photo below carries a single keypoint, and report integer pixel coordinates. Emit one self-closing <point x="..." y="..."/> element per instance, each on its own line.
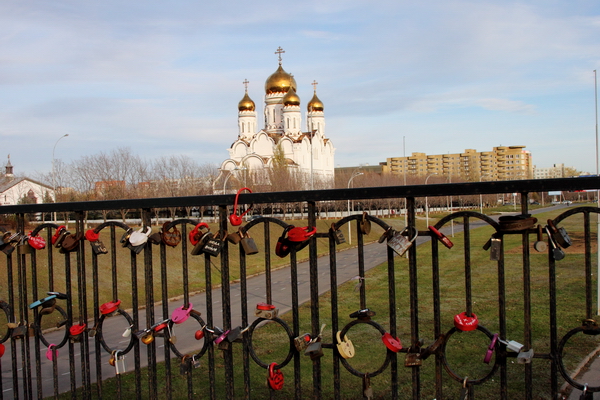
<point x="222" y="337"/>
<point x="50" y="352"/>
<point x="490" y="350"/>
<point x="181" y="314"/>
<point x="464" y="323"/>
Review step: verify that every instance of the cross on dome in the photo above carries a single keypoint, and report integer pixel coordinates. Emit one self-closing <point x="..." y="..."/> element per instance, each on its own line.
<point x="314" y="84"/>
<point x="279" y="51"/>
<point x="246" y="82"/>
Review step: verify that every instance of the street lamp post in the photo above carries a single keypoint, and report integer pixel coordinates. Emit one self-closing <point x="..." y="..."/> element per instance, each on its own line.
<point x="53" y="173"/>
<point x="354" y="175"/>
<point x="426" y="205"/>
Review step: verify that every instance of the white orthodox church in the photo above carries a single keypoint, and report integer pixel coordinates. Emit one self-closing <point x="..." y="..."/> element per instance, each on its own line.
<point x="282" y="141"/>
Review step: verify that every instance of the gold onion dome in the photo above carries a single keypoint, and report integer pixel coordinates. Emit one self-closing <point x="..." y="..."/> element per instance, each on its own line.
<point x="291" y="98"/>
<point x="280" y="82"/>
<point x="246" y="104"/>
<point x="315" y="104"/>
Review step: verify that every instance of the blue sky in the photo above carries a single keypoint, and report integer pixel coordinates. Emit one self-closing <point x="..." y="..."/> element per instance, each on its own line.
<point x="165" y="78"/>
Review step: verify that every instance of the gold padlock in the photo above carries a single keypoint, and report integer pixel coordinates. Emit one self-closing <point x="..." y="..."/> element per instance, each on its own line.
<point x="345" y="347"/>
<point x="365" y="224"/>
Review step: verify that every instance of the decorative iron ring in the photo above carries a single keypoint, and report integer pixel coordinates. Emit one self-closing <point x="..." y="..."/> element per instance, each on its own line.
<point x="453" y="374"/>
<point x="351" y="369"/>
<point x="561" y="366"/>
<point x="195" y="315"/>
<point x="253" y="353"/>
<point x="7" y="311"/>
<point x="100" y="337"/>
<point x="38" y="327"/>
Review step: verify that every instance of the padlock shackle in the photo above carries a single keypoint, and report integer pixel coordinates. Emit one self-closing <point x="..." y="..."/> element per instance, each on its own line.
<point x="234" y="218"/>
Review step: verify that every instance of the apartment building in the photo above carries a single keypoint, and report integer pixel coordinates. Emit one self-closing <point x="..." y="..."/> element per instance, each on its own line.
<point x="501" y="163"/>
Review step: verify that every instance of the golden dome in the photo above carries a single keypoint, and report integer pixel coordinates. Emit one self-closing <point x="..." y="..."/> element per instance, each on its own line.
<point x="280" y="82"/>
<point x="291" y="98"/>
<point x="315" y="104"/>
<point x="246" y="103"/>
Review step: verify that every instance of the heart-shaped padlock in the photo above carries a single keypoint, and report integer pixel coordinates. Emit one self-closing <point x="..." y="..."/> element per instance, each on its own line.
<point x="466" y="323"/>
<point x="2" y="349"/>
<point x="275" y="378"/>
<point x="37" y="242"/>
<point x="234" y="218"/>
<point x="181" y="314"/>
<point x="51" y="352"/>
<point x="345" y="347"/>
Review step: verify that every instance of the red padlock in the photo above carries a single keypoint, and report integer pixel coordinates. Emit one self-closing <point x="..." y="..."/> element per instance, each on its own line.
<point x="265" y="306"/>
<point x="37" y="242"/>
<point x="110" y="307"/>
<point x="159" y="327"/>
<point x="441" y="237"/>
<point x="301" y="234"/>
<point x="282" y="248"/>
<point x="490" y="350"/>
<point x="57" y="233"/>
<point x="2" y="349"/>
<point x="199" y="334"/>
<point x="91" y="235"/>
<point x="275" y="379"/>
<point x="194" y="234"/>
<point x="392" y="343"/>
<point x="50" y="353"/>
<point x="464" y="323"/>
<point x="77" y="330"/>
<point x="235" y="219"/>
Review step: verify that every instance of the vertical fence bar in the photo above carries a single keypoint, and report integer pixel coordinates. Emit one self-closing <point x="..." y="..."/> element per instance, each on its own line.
<point x="526" y="301"/>
<point x="314" y="298"/>
<point x="414" y="297"/>
<point x="334" y="313"/>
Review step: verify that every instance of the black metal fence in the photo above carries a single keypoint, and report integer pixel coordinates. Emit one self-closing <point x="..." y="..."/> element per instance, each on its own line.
<point x="182" y="297"/>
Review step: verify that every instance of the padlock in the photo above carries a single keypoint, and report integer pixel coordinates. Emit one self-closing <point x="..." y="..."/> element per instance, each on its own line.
<point x="181" y="314"/>
<point x="367" y="389"/>
<point x="365" y="224"/>
<point x="2" y="349"/>
<point x="48" y="301"/>
<point x="195" y="361"/>
<point x="113" y="358"/>
<point x="52" y="352"/>
<point x="512" y="345"/>
<point x="392" y="343"/>
<point x="413" y="359"/>
<point x="147" y="337"/>
<point x="400" y="243"/>
<point x="109" y="307"/>
<point x="185" y="367"/>
<point x="540" y="245"/>
<point x="127" y="332"/>
<point x="337" y="234"/>
<point x="491" y="348"/>
<point x="275" y="378"/>
<point x="364" y="314"/>
<point x="98" y="247"/>
<point x="495" y="248"/>
<point x="170" y="237"/>
<point x="464" y="391"/>
<point x="466" y="323"/>
<point x="266" y="311"/>
<point x="234" y="237"/>
<point x="301" y="342"/>
<point x="524" y="357"/>
<point x="283" y="246"/>
<point x="199" y="238"/>
<point x="557" y="253"/>
<point x="385" y="235"/>
<point x="345" y="347"/>
<point x="234" y="218"/>
<point x="76" y="332"/>
<point x="590" y="327"/>
<point x="248" y="244"/>
<point x="125" y="238"/>
<point x="214" y="244"/>
<point x="37" y="242"/>
<point x="585" y="395"/>
<point x="19" y="332"/>
<point x="199" y="335"/>
<point x="120" y="367"/>
<point x="441" y="237"/>
<point x="560" y="235"/>
<point x="59" y="236"/>
<point x="314" y="349"/>
<point x="234" y="334"/>
<point x="221" y="337"/>
<point x="24" y="248"/>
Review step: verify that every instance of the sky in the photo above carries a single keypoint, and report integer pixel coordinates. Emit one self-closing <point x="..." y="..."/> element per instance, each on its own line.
<point x="395" y="77"/>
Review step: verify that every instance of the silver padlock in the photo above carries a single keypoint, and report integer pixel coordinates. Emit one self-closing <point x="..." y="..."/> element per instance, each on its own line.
<point x="400" y="243"/>
<point x="495" y="248"/>
<point x="524" y="357"/>
<point x="512" y="345"/>
<point x="119" y="363"/>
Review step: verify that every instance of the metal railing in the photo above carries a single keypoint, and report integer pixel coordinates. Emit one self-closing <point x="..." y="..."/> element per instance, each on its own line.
<point x="76" y="287"/>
